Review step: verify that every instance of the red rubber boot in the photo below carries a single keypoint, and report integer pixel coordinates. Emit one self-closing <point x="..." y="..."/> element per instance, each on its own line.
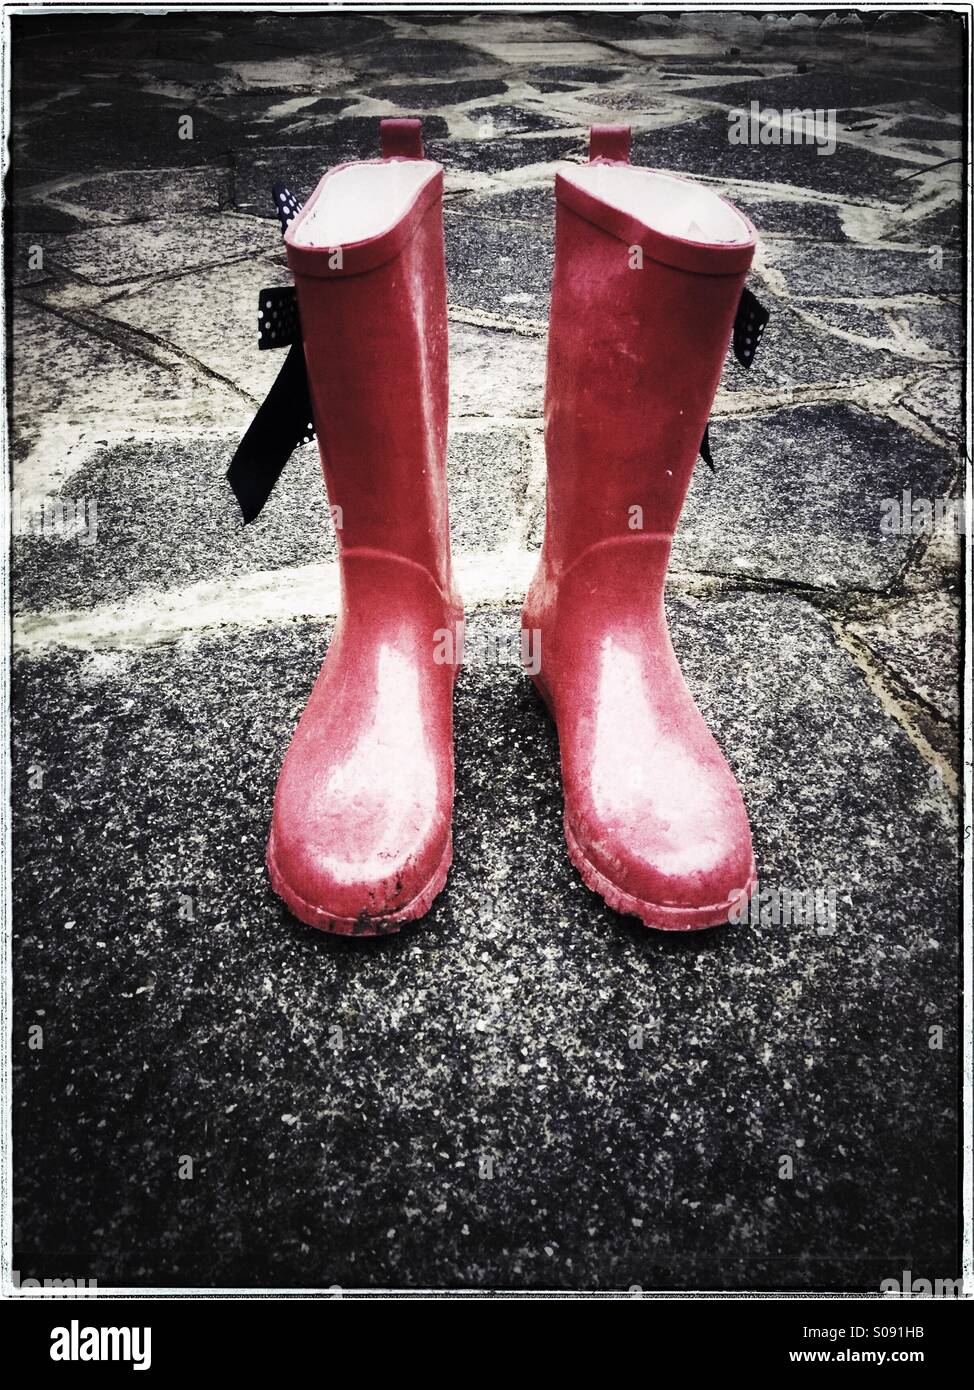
<point x="361" y="833"/>
<point x="649" y="270"/>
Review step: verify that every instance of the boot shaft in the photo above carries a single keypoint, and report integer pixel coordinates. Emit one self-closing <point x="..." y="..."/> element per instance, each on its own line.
<point x="367" y="256"/>
<point x="649" y="270"/>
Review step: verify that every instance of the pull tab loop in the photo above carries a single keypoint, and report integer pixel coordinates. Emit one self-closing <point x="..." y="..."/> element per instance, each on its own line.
<point x="401" y="138"/>
<point x="612" y="142"/>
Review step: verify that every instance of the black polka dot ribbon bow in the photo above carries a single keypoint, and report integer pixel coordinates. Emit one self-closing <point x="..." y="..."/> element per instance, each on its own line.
<point x="286" y="203"/>
<point x="285" y="420"/>
<point x="750" y="322"/>
<point x="277" y="318"/>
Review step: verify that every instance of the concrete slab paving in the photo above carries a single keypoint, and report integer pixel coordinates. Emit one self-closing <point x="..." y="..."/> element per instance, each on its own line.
<point x="799" y="351"/>
<point x="852" y="272"/>
<point x="181" y="312"/>
<point x="500" y="155"/>
<point x="797" y="498"/>
<point x="487" y="476"/>
<point x="117" y="126"/>
<point x="139" y="195"/>
<point x="257" y="167"/>
<point x="924" y="332"/>
<point x="113" y="255"/>
<point x="938" y="400"/>
<point x="632" y="1094"/>
<point x="917" y="640"/>
<point x="28" y="217"/>
<point x="433" y="96"/>
<point x="164" y="518"/>
<point x="813" y="517"/>
<point x="495" y="373"/>
<point x="493" y="267"/>
<point x="704" y="146"/>
<point x="853" y="87"/>
<point x="536" y="203"/>
<point x="417" y="57"/>
<point x="72" y="382"/>
<point x="940" y="327"/>
<point x="159" y="517"/>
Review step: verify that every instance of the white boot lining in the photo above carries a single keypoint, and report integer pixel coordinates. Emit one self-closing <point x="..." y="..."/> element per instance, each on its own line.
<point x="362" y="201"/>
<point x="669" y="205"/>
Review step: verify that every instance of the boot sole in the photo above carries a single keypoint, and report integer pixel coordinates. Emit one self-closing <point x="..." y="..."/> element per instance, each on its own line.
<point x="366" y="924"/>
<point x="659" y="916"/>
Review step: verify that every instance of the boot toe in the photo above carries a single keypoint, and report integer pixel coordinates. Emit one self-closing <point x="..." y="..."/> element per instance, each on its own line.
<point x="360" y="842"/>
<point x="677" y="861"/>
<point x="344" y="884"/>
<point x="696" y="886"/>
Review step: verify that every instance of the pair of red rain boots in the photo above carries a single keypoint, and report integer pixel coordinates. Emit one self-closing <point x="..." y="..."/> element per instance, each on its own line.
<point x="649" y="273"/>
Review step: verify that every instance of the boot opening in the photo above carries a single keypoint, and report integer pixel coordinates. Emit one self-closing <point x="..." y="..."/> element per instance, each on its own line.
<point x="675" y="207"/>
<point x="362" y="201"/>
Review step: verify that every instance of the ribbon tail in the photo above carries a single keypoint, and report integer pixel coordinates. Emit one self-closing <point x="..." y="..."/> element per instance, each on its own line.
<point x="282" y="423"/>
<point x="705" y="449"/>
<point x="750" y="322"/>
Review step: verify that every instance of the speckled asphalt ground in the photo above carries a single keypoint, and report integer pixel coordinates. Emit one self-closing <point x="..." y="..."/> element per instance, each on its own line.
<point x="526" y="1091"/>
